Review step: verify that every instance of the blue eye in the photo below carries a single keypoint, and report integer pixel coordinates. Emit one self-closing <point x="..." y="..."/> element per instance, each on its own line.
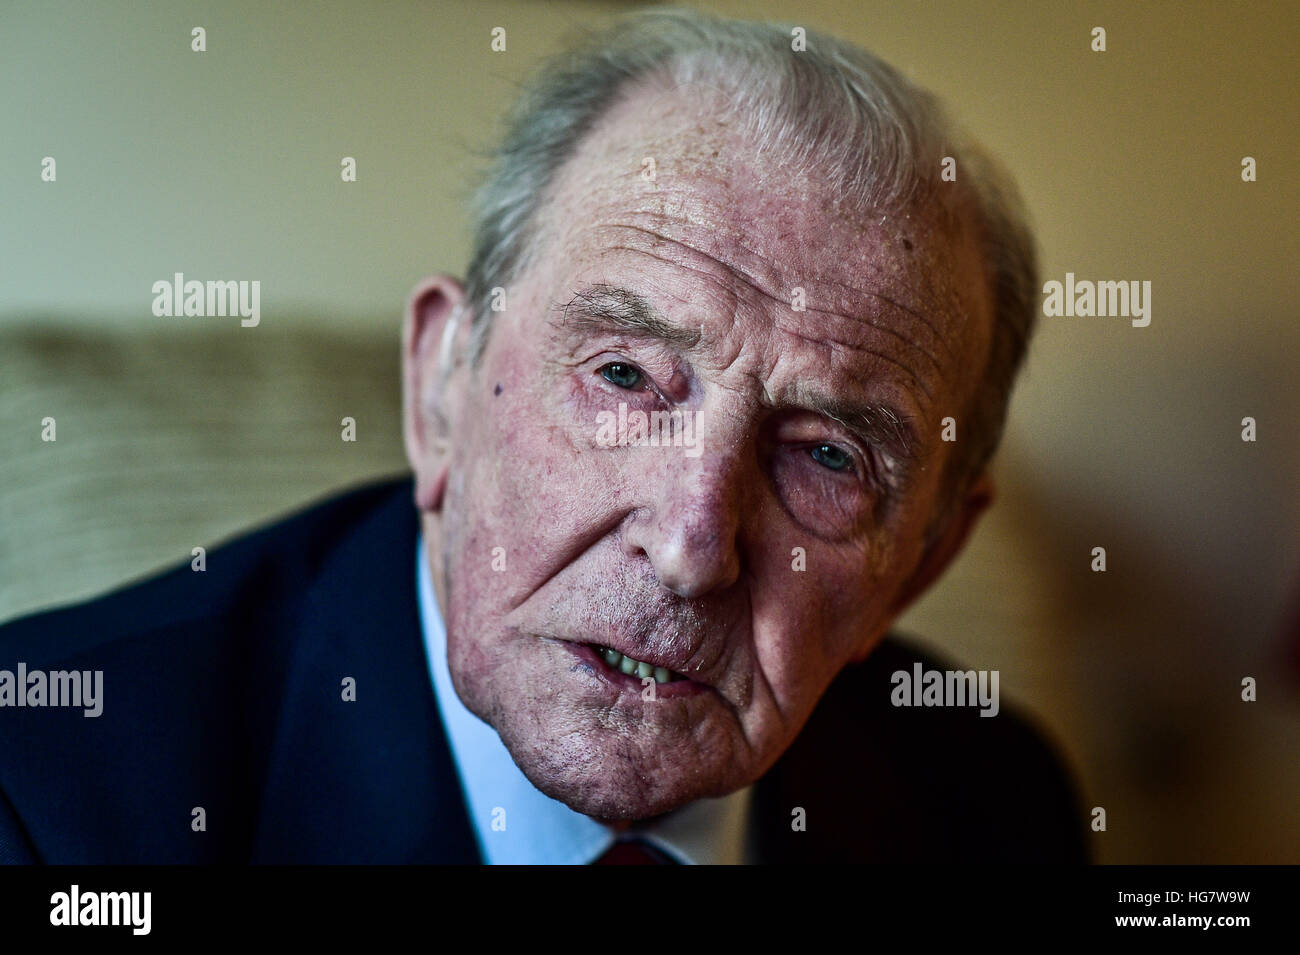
<point x="621" y="374"/>
<point x="829" y="456"/>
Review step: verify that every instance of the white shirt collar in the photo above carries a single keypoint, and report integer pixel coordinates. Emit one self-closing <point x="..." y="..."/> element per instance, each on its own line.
<point x="515" y="823"/>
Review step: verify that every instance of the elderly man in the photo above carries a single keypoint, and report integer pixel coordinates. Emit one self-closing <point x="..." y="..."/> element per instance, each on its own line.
<point x="713" y="406"/>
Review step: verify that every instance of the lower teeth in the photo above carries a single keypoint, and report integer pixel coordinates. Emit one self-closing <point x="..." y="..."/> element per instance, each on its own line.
<point x="636" y="668"/>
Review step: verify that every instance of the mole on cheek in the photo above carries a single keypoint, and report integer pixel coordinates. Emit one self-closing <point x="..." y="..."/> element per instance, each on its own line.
<point x="497" y="390"/>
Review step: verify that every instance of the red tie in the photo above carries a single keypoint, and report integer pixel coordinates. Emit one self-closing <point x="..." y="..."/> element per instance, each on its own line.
<point x="634" y="852"/>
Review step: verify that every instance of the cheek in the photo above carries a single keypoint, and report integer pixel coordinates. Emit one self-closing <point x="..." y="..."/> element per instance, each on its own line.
<point x="815" y="607"/>
<point x="527" y="496"/>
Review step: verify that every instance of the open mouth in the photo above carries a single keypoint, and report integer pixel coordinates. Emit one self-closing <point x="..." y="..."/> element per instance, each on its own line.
<point x="633" y="667"/>
<point x="622" y="674"/>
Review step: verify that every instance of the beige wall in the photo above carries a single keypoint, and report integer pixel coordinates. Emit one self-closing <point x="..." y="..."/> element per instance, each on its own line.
<point x="226" y="164"/>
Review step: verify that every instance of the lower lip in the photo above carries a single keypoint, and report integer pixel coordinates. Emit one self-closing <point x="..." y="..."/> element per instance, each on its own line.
<point x="622" y="681"/>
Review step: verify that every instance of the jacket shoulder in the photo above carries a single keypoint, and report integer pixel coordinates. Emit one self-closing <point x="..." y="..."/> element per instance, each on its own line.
<point x="190" y="672"/>
<point x="265" y="568"/>
<point x="881" y="782"/>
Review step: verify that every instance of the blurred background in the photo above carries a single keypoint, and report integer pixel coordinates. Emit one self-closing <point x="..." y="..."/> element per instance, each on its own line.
<point x="226" y="164"/>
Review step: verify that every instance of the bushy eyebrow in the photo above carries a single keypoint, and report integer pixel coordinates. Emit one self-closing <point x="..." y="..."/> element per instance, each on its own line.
<point x="876" y="423"/>
<point x="612" y="308"/>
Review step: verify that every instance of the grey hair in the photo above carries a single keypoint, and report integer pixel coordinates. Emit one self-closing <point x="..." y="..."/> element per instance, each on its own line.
<point x="876" y="138"/>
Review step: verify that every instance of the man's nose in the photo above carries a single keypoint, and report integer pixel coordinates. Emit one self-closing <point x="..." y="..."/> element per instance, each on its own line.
<point x="690" y="533"/>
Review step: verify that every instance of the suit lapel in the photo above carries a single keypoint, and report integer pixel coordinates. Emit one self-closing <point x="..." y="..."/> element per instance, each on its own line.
<point x="368" y="780"/>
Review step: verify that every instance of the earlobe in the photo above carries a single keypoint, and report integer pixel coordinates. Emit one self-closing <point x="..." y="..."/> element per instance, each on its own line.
<point x="431" y="331"/>
<point x="428" y="496"/>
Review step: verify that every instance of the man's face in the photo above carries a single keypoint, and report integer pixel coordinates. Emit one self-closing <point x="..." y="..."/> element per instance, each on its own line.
<point x="813" y="348"/>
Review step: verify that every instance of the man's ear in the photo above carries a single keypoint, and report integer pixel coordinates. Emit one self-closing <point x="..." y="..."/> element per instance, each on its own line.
<point x="943" y="550"/>
<point x="434" y="328"/>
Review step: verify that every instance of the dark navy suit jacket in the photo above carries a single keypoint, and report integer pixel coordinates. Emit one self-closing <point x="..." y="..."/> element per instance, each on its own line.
<point x="222" y="690"/>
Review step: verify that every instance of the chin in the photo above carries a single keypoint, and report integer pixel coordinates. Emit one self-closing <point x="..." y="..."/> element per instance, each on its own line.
<point x="594" y="774"/>
<point x="604" y="763"/>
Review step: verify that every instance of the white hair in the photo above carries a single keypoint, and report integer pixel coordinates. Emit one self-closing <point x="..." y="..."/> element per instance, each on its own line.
<point x="873" y="136"/>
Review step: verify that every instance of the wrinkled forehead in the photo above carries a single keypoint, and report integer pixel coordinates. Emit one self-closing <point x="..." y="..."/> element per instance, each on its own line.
<point x="668" y="175"/>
